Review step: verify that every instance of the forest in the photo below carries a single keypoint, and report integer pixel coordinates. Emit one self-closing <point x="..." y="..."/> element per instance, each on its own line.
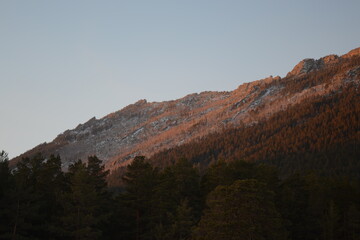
<point x="228" y="200"/>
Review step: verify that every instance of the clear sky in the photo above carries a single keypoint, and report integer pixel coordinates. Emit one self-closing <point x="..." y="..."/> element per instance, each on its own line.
<point x="63" y="62"/>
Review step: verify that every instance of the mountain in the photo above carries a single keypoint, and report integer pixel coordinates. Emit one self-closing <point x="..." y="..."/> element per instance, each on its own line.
<point x="321" y="135"/>
<point x="146" y="128"/>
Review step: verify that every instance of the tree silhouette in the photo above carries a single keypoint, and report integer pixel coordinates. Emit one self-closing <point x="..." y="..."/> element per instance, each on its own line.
<point x="243" y="210"/>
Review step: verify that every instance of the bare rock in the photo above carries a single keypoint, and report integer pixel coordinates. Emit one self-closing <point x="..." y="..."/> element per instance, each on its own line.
<point x="352" y="53"/>
<point x="305" y="66"/>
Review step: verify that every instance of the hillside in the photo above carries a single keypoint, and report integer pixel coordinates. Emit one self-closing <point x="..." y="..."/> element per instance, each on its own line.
<point x="146" y="128"/>
<point x="321" y="134"/>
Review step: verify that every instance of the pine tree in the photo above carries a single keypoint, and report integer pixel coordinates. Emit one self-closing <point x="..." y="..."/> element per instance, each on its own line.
<point x="38" y="181"/>
<point x="140" y="181"/>
<point x="178" y="184"/>
<point x="331" y="221"/>
<point x="97" y="173"/>
<point x="80" y="205"/>
<point x="243" y="210"/>
<point x="182" y="222"/>
<point x="98" y="176"/>
<point x="7" y="186"/>
<point x="353" y="222"/>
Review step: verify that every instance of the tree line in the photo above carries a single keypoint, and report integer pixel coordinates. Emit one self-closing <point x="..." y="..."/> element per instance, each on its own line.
<point x="229" y="200"/>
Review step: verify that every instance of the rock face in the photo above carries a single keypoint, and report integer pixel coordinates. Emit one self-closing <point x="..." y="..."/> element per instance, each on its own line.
<point x="308" y="65"/>
<point x="145" y="128"/>
<point x="352" y="53"/>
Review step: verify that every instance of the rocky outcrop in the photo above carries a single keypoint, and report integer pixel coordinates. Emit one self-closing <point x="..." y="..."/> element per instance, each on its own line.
<point x="144" y="128"/>
<point x="305" y="66"/>
<point x="353" y="53"/>
<point x="309" y="65"/>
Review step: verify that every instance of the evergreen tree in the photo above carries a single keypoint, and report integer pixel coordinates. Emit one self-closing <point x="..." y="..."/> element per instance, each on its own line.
<point x="182" y="222"/>
<point x="181" y="182"/>
<point x="98" y="176"/>
<point x="97" y="173"/>
<point x="140" y="181"/>
<point x="293" y="202"/>
<point x="5" y="176"/>
<point x="352" y="228"/>
<point x="178" y="190"/>
<point x="80" y="204"/>
<point x="38" y="182"/>
<point x="7" y="186"/>
<point x="330" y="221"/>
<point x="243" y="210"/>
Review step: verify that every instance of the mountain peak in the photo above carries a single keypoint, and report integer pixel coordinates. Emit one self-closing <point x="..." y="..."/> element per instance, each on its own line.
<point x="354" y="52"/>
<point x="144" y="128"/>
<point x="305" y="66"/>
<point x="309" y="64"/>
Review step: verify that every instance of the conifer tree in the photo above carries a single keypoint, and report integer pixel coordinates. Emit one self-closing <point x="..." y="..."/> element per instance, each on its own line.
<point x="182" y="222"/>
<point x="7" y="186"/>
<point x="97" y="173"/>
<point x="187" y="183"/>
<point x="38" y="181"/>
<point x="177" y="197"/>
<point x="81" y="203"/>
<point x="243" y="210"/>
<point x="98" y="176"/>
<point x="140" y="181"/>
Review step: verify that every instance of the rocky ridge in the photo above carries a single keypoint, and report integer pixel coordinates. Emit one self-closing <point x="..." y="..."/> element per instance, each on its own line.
<point x="144" y="128"/>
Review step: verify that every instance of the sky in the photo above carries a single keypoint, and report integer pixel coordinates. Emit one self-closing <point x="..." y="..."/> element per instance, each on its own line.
<point x="63" y="62"/>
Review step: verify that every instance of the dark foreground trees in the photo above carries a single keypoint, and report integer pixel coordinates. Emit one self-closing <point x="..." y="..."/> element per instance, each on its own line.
<point x="244" y="210"/>
<point x="81" y="204"/>
<point x="235" y="200"/>
<point x="230" y="200"/>
<point x="39" y="201"/>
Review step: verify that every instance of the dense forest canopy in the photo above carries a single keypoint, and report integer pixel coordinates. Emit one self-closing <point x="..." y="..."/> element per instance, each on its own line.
<point x="228" y="200"/>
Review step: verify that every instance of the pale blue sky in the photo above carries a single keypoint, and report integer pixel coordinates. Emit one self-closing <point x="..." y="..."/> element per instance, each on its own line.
<point x="63" y="62"/>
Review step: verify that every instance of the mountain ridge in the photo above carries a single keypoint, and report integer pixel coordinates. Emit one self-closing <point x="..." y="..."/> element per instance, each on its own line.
<point x="144" y="128"/>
